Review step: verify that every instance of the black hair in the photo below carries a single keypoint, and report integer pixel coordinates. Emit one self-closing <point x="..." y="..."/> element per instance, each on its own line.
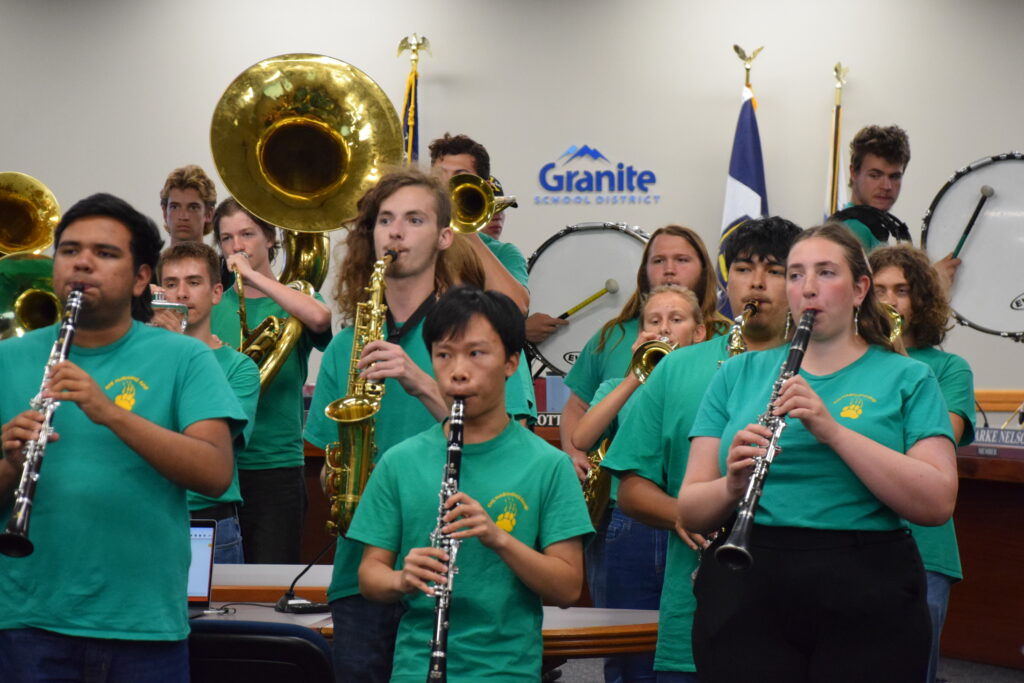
<point x="766" y="238"/>
<point x="145" y="243"/>
<point x="452" y="312"/>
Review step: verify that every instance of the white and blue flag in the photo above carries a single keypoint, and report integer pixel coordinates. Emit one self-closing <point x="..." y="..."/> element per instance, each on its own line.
<point x="746" y="196"/>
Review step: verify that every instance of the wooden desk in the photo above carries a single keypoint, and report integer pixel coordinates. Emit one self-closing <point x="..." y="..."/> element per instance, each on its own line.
<point x="568" y="633"/>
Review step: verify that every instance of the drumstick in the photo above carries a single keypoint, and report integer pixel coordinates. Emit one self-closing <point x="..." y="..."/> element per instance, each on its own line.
<point x="986" y="192"/>
<point x="610" y="285"/>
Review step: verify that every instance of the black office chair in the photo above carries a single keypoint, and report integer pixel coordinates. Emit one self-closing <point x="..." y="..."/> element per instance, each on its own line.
<point x="257" y="652"/>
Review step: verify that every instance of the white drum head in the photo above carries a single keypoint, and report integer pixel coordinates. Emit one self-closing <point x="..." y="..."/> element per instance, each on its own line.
<point x="571" y="266"/>
<point x="988" y="290"/>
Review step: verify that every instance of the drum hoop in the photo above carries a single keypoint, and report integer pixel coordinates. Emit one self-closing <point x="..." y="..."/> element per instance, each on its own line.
<point x="637" y="232"/>
<point x="926" y="222"/>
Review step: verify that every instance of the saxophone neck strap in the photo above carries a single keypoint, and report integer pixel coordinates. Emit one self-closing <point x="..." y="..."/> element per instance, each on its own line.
<point x="395" y="332"/>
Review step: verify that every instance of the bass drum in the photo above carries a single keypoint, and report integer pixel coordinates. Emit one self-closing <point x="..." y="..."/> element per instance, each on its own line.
<point x="988" y="290"/>
<point x="569" y="267"/>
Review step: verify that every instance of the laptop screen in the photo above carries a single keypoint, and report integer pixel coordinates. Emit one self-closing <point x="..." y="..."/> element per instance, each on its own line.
<point x="200" y="570"/>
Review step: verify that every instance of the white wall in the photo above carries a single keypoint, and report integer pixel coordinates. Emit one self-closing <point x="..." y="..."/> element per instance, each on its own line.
<point x="111" y="94"/>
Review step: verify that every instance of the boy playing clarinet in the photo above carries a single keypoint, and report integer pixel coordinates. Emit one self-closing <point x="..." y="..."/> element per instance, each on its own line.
<point x="519" y="513"/>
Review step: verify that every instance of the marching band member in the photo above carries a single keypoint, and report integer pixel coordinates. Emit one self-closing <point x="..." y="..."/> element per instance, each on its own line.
<point x="836" y="591"/>
<point x="906" y="280"/>
<point x="673" y="256"/>
<point x="626" y="566"/>
<point x="650" y="452"/>
<point x="270" y="469"/>
<point x="409" y="213"/>
<point x="187" y="201"/>
<point x="144" y="416"/>
<point x="518" y="516"/>
<point x="189" y="273"/>
<point x="502" y="263"/>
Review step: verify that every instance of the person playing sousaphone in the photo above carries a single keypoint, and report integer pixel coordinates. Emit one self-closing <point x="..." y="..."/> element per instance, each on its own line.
<point x="270" y="469"/>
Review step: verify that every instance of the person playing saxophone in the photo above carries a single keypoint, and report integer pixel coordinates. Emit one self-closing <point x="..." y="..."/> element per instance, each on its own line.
<point x="145" y="415"/>
<point x="519" y="514"/>
<point x="407" y="212"/>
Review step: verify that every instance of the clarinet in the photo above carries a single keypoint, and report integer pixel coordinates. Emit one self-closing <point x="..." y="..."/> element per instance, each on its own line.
<point x="443" y="593"/>
<point x="14" y="540"/>
<point x="734" y="553"/>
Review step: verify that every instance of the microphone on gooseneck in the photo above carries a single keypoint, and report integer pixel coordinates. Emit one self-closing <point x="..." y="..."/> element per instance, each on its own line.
<point x="293" y="605"/>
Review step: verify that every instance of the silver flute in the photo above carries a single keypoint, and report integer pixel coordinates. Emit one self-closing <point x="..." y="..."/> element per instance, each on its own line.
<point x="14" y="540"/>
<point x="443" y="592"/>
<point x="735" y="553"/>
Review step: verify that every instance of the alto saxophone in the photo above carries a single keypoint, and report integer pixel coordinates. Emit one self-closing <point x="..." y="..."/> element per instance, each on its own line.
<point x="734" y="553"/>
<point x="438" y="670"/>
<point x="349" y="460"/>
<point x="737" y="343"/>
<point x="14" y="540"/>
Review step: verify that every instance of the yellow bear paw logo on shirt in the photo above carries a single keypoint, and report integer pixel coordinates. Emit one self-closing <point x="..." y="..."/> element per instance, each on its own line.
<point x="126" y="399"/>
<point x="507" y="520"/>
<point x="852" y="411"/>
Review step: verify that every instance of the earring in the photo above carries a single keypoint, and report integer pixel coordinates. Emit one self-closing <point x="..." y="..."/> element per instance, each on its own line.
<point x="789" y="325"/>
<point x="856" y="321"/>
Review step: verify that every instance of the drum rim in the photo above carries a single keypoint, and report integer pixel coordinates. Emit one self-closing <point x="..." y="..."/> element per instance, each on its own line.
<point x="926" y="224"/>
<point x="635" y="231"/>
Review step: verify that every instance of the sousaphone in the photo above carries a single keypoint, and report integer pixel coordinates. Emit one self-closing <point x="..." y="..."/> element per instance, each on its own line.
<point x="29" y="214"/>
<point x="297" y="140"/>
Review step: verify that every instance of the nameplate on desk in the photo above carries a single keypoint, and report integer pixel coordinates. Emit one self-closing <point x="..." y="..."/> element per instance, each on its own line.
<point x="549" y="419"/>
<point x="997" y="443"/>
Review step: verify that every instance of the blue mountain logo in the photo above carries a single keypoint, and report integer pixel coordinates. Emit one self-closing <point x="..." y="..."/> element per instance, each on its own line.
<point x="575" y="152"/>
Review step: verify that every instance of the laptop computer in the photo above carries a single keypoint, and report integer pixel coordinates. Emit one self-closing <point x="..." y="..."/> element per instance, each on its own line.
<point x="203" y="533"/>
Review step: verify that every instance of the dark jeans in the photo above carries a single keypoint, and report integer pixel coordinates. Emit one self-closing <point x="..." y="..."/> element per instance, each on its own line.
<point x="272" y="514"/>
<point x="626" y="570"/>
<point x="815" y="605"/>
<point x="30" y="655"/>
<point x="364" y="639"/>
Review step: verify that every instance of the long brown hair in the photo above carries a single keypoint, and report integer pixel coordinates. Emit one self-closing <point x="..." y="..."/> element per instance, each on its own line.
<point x="873" y="320"/>
<point x="704" y="288"/>
<point x="928" y="305"/>
<point x="359" y="248"/>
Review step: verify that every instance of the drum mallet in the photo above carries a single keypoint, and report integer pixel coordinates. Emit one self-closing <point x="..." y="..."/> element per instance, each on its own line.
<point x="986" y="192"/>
<point x="610" y="285"/>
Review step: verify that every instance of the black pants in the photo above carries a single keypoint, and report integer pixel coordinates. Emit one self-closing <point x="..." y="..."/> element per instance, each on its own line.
<point x="273" y="508"/>
<point x="815" y="606"/>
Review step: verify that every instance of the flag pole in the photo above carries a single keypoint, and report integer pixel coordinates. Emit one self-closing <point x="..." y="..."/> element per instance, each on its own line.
<point x="837" y="119"/>
<point x="410" y="113"/>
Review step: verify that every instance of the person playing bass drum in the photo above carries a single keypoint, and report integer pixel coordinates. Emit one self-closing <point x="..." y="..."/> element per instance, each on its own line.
<point x="836" y="591"/>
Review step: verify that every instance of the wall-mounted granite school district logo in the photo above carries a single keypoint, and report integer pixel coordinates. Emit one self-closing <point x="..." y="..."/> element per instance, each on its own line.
<point x="127" y="391"/>
<point x="510" y="505"/>
<point x="584" y="175"/>
<point x="853" y="405"/>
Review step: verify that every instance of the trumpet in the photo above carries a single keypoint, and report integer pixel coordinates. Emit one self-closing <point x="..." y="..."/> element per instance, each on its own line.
<point x="735" y="553"/>
<point x="14" y="541"/>
<point x="474" y="203"/>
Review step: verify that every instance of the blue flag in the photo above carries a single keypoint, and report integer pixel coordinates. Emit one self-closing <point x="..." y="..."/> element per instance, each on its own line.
<point x="746" y="196"/>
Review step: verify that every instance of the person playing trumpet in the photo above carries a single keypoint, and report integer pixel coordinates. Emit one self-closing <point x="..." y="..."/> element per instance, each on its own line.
<point x="270" y="469"/>
<point x="648" y="456"/>
<point x="626" y="564"/>
<point x="836" y="590"/>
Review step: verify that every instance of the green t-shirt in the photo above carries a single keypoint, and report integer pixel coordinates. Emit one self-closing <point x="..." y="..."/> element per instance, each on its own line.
<point x="111" y="533"/>
<point x="530" y="490"/>
<point x="401" y="415"/>
<point x="593" y="367"/>
<point x="520" y="398"/>
<point x="277" y="437"/>
<point x="653" y="442"/>
<point x="937" y="544"/>
<point x="244" y="378"/>
<point x="889" y="398"/>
